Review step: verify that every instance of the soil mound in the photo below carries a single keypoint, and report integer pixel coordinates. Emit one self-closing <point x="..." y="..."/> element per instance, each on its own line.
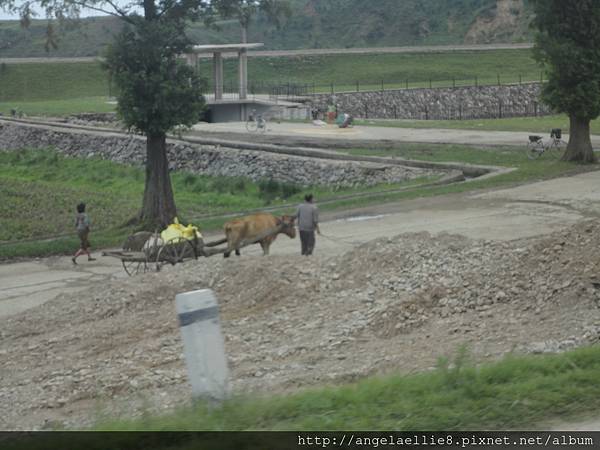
<point x="394" y="304"/>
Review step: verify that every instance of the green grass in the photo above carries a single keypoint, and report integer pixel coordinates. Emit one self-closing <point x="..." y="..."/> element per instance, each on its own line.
<point x="40" y="189"/>
<point x="393" y="69"/>
<point x="28" y="84"/>
<point x="526" y="170"/>
<point x="59" y="108"/>
<point x="516" y="393"/>
<point x="52" y="81"/>
<point x="534" y="124"/>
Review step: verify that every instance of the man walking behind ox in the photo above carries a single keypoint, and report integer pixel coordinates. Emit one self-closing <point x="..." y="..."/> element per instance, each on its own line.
<point x="308" y="221"/>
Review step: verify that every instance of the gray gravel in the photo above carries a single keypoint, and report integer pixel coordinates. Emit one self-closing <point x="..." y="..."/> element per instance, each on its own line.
<point x="393" y="304"/>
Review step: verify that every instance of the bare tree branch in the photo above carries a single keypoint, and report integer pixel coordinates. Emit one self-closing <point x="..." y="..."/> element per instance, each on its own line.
<point x="121" y="14"/>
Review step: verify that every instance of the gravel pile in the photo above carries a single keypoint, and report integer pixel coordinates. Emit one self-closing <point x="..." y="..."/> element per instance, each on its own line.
<point x="393" y="304"/>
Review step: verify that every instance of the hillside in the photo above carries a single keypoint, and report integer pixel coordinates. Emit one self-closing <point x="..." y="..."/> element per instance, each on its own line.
<point x="314" y="24"/>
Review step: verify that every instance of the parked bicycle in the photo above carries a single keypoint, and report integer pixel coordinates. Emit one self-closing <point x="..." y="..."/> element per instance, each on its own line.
<point x="555" y="147"/>
<point x="256" y="123"/>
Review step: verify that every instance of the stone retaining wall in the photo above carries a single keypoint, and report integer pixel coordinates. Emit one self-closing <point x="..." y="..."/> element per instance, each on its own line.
<point x="208" y="159"/>
<point x="472" y="102"/>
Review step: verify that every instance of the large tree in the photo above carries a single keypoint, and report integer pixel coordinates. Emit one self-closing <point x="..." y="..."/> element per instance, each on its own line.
<point x="156" y="92"/>
<point x="568" y="44"/>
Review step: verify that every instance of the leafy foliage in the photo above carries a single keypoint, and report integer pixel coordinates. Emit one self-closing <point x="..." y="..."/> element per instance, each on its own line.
<point x="270" y="190"/>
<point x="308" y="24"/>
<point x="156" y="92"/>
<point x="568" y="43"/>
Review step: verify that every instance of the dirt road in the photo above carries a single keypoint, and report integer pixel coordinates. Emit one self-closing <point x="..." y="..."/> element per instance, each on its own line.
<point x="304" y="133"/>
<point x="524" y="211"/>
<point x="307" y="52"/>
<point x="99" y="341"/>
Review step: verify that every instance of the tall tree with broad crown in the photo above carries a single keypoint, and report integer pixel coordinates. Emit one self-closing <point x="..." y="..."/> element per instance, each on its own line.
<point x="568" y="44"/>
<point x="156" y="91"/>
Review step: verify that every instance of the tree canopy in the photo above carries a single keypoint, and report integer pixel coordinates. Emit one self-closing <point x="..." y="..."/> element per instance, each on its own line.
<point x="156" y="91"/>
<point x="568" y="44"/>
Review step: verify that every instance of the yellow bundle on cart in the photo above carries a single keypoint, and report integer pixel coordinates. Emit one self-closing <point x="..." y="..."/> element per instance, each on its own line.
<point x="176" y="230"/>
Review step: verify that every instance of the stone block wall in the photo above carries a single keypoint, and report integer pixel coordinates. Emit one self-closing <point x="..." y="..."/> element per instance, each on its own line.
<point x="208" y="159"/>
<point x="473" y="102"/>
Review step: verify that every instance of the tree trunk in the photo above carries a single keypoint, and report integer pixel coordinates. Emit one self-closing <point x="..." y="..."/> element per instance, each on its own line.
<point x="158" y="208"/>
<point x="580" y="145"/>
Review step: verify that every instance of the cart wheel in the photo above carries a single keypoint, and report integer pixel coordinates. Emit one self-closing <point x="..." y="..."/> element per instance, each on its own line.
<point x="174" y="251"/>
<point x="134" y="267"/>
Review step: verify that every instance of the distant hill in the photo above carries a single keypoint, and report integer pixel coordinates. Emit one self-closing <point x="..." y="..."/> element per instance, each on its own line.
<point x="314" y="24"/>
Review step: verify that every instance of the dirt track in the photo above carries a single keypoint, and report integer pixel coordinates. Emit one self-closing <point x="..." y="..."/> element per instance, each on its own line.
<point x="376" y="303"/>
<point x="307" y="52"/>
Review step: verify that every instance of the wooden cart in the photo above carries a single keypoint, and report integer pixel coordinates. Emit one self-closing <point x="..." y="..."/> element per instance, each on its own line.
<point x="147" y="251"/>
<point x="157" y="254"/>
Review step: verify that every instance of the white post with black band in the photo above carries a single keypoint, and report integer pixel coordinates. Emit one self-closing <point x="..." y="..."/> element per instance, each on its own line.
<point x="204" y="349"/>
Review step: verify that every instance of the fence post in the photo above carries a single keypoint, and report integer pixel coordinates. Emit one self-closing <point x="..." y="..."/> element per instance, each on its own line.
<point x="407" y="83"/>
<point x="453" y="82"/>
<point x="357" y="86"/>
<point x="519" y="78"/>
<point x="426" y="113"/>
<point x="332" y="88"/>
<point x="382" y="88"/>
<point x="535" y="109"/>
<point x="460" y="111"/>
<point x="476" y="84"/>
<point x="395" y="112"/>
<point x="430" y="83"/>
<point x="203" y="346"/>
<point x="366" y="111"/>
<point x="498" y="79"/>
<point x="541" y="76"/>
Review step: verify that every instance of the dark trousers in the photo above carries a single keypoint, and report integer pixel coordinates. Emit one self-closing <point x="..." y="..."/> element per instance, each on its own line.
<point x="307" y="241"/>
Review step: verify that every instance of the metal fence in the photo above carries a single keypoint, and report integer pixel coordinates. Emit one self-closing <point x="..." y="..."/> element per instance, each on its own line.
<point x="497" y="110"/>
<point x="291" y="88"/>
<point x="310" y="91"/>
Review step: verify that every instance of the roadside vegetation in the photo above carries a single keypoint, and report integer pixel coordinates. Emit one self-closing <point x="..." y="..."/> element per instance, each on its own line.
<point x="518" y="392"/>
<point x="41" y="188"/>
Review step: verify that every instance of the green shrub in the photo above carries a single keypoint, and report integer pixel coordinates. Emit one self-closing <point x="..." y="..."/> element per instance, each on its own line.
<point x="270" y="190"/>
<point x="221" y="185"/>
<point x="289" y="190"/>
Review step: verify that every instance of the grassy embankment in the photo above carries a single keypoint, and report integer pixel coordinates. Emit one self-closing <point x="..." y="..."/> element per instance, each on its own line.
<point x="40" y="189"/>
<point x="62" y="89"/>
<point x="518" y="392"/>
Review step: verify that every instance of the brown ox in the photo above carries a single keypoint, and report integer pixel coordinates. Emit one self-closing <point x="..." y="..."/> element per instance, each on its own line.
<point x="262" y="228"/>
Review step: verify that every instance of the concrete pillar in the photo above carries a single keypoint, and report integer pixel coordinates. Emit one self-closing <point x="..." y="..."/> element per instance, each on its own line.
<point x="218" y="75"/>
<point x="203" y="344"/>
<point x="243" y="65"/>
